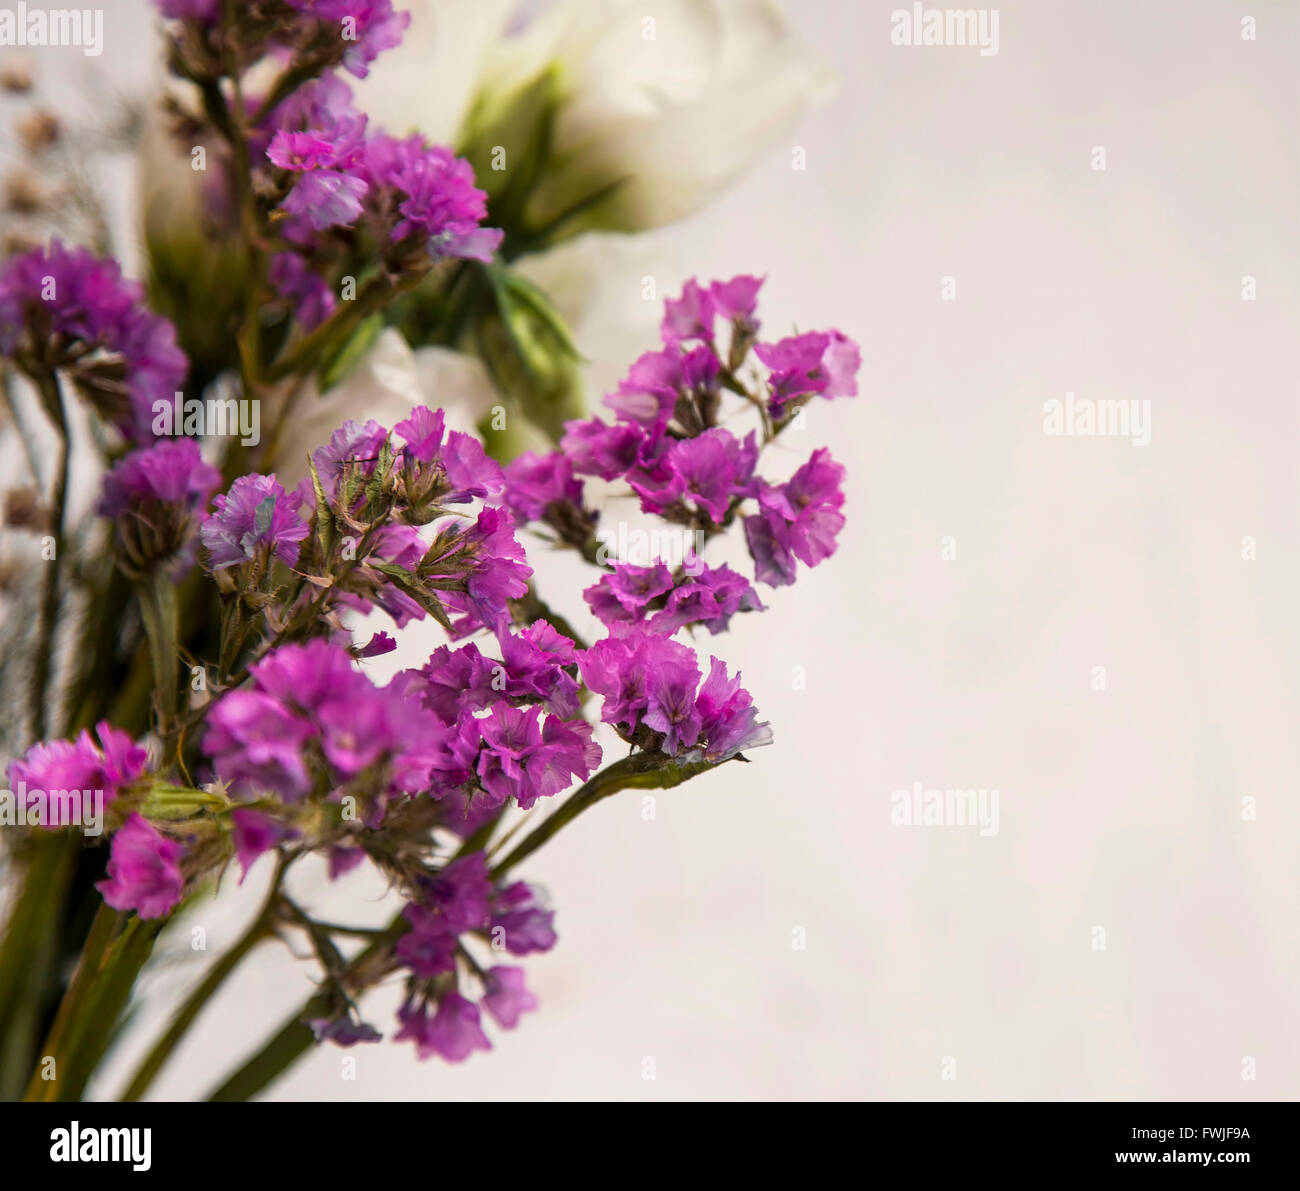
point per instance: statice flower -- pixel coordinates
(255, 516)
(449, 910)
(649, 683)
(373, 26)
(153, 495)
(144, 872)
(67, 308)
(799, 519)
(312, 721)
(820, 363)
(57, 774)
(653, 596)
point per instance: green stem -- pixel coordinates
(48, 615)
(158, 611)
(258, 930)
(70, 1020)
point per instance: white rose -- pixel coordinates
(673, 99)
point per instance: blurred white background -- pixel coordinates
(1120, 809)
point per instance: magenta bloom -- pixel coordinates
(143, 870)
(297, 282)
(798, 519)
(817, 362)
(737, 299)
(454, 1032)
(690, 316)
(535, 484)
(596, 449)
(525, 760)
(435, 196)
(256, 514)
(71, 297)
(66, 771)
(507, 997)
(171, 472)
(254, 833)
(647, 395)
(525, 924)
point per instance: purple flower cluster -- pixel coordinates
(314, 723)
(362, 29)
(665, 602)
(69, 309)
(144, 871)
(153, 495)
(649, 684)
(417, 199)
(256, 517)
(65, 771)
(512, 750)
(475, 567)
(798, 519)
(462, 900)
(667, 444)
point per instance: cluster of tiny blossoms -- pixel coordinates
(301, 751)
(335, 189)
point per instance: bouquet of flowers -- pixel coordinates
(194, 662)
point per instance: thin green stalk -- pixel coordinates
(48, 615)
(258, 931)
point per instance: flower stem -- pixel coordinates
(48, 615)
(258, 930)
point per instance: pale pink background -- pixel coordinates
(1119, 809)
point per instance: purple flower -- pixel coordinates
(690, 316)
(436, 198)
(353, 444)
(71, 298)
(371, 27)
(523, 759)
(343, 1031)
(798, 519)
(817, 362)
(649, 682)
(728, 718)
(454, 1032)
(311, 299)
(170, 472)
(257, 744)
(378, 645)
(596, 449)
(422, 431)
(326, 198)
(521, 921)
(255, 514)
(535, 483)
(66, 771)
(506, 996)
(737, 299)
(711, 597)
(143, 870)
(647, 395)
(456, 900)
(254, 833)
